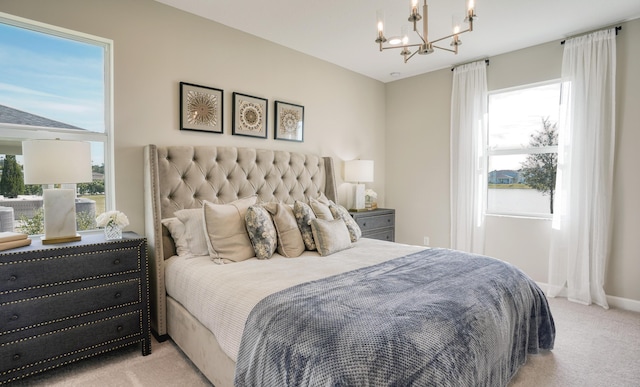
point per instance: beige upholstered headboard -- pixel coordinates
(178, 177)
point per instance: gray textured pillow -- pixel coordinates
(290, 243)
(193, 220)
(331, 236)
(262, 231)
(340, 212)
(304, 214)
(321, 210)
(226, 231)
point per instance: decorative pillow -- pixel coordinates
(290, 243)
(177, 230)
(331, 236)
(304, 214)
(340, 212)
(193, 220)
(262, 232)
(321, 210)
(226, 231)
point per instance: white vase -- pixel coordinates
(112, 232)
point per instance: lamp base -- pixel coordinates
(52, 241)
(59, 216)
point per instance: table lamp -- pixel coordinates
(57, 162)
(358, 171)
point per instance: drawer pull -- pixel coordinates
(16, 356)
(364, 224)
(119, 328)
(14, 317)
(13, 278)
(117, 295)
(116, 261)
(388, 220)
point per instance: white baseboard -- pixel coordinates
(613, 301)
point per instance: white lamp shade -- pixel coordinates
(358, 171)
(56, 162)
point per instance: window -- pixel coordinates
(522, 150)
(54, 83)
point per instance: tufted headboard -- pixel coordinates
(178, 177)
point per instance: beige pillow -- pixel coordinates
(331, 236)
(321, 210)
(290, 243)
(177, 230)
(226, 231)
(193, 220)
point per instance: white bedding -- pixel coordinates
(222, 296)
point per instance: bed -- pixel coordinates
(357, 316)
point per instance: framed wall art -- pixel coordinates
(249, 116)
(201, 108)
(289, 121)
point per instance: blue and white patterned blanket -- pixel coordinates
(434, 318)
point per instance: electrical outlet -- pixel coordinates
(426, 241)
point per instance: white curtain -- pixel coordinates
(468, 169)
(580, 239)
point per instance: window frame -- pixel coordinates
(26, 132)
(510, 151)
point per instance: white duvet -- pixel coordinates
(222, 296)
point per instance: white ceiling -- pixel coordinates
(343, 31)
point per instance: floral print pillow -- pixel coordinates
(304, 214)
(340, 212)
(262, 232)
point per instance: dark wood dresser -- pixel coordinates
(65, 302)
(377, 224)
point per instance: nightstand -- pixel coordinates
(65, 302)
(377, 224)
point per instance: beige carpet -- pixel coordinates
(594, 347)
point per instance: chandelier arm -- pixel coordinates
(450, 36)
(410, 56)
(445, 49)
(393, 47)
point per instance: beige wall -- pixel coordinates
(156, 47)
(418, 168)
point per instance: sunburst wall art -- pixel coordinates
(200, 108)
(289, 122)
(249, 116)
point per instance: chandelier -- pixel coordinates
(427, 46)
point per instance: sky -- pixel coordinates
(53, 77)
(514, 115)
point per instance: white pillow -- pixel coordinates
(177, 230)
(226, 230)
(193, 220)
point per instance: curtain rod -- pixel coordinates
(618, 28)
(485, 61)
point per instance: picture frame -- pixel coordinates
(201, 108)
(249, 115)
(289, 121)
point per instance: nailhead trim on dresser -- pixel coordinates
(79, 299)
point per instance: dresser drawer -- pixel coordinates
(53, 268)
(375, 221)
(386, 234)
(57, 346)
(55, 307)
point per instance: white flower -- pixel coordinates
(371, 193)
(116, 218)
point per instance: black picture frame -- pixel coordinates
(201, 108)
(289, 121)
(250, 116)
